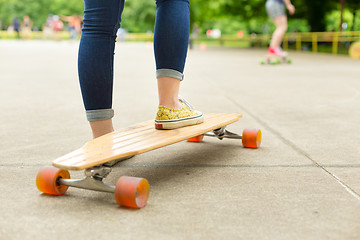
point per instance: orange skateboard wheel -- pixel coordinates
(251, 138)
(47, 180)
(196, 139)
(132, 192)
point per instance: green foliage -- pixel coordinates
(298, 25)
(37, 10)
(315, 12)
(139, 16)
(227, 15)
(203, 11)
(333, 20)
(246, 9)
(229, 25)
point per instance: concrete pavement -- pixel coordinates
(303, 183)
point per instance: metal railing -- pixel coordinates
(300, 41)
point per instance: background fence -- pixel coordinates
(328, 42)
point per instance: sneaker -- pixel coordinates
(167, 118)
(277, 52)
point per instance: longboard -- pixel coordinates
(274, 60)
(95, 155)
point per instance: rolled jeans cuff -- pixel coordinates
(169, 73)
(98, 115)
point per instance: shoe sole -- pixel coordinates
(173, 124)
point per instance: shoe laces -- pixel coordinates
(183, 100)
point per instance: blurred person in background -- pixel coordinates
(47, 28)
(16, 26)
(74, 25)
(57, 26)
(96, 58)
(276, 11)
(26, 27)
(194, 35)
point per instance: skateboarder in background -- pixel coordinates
(276, 11)
(16, 25)
(95, 62)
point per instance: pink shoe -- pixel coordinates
(277, 52)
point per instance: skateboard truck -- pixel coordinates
(129, 191)
(93, 177)
(92, 181)
(222, 133)
(251, 138)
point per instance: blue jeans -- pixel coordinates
(96, 51)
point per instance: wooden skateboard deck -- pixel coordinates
(143, 137)
(137, 139)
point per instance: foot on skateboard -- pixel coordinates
(167, 118)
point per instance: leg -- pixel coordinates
(95, 61)
(281, 27)
(101, 127)
(168, 90)
(171, 40)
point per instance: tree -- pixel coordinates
(228, 15)
(353, 6)
(37, 10)
(139, 15)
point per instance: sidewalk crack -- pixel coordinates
(296, 148)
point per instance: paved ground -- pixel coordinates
(303, 183)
